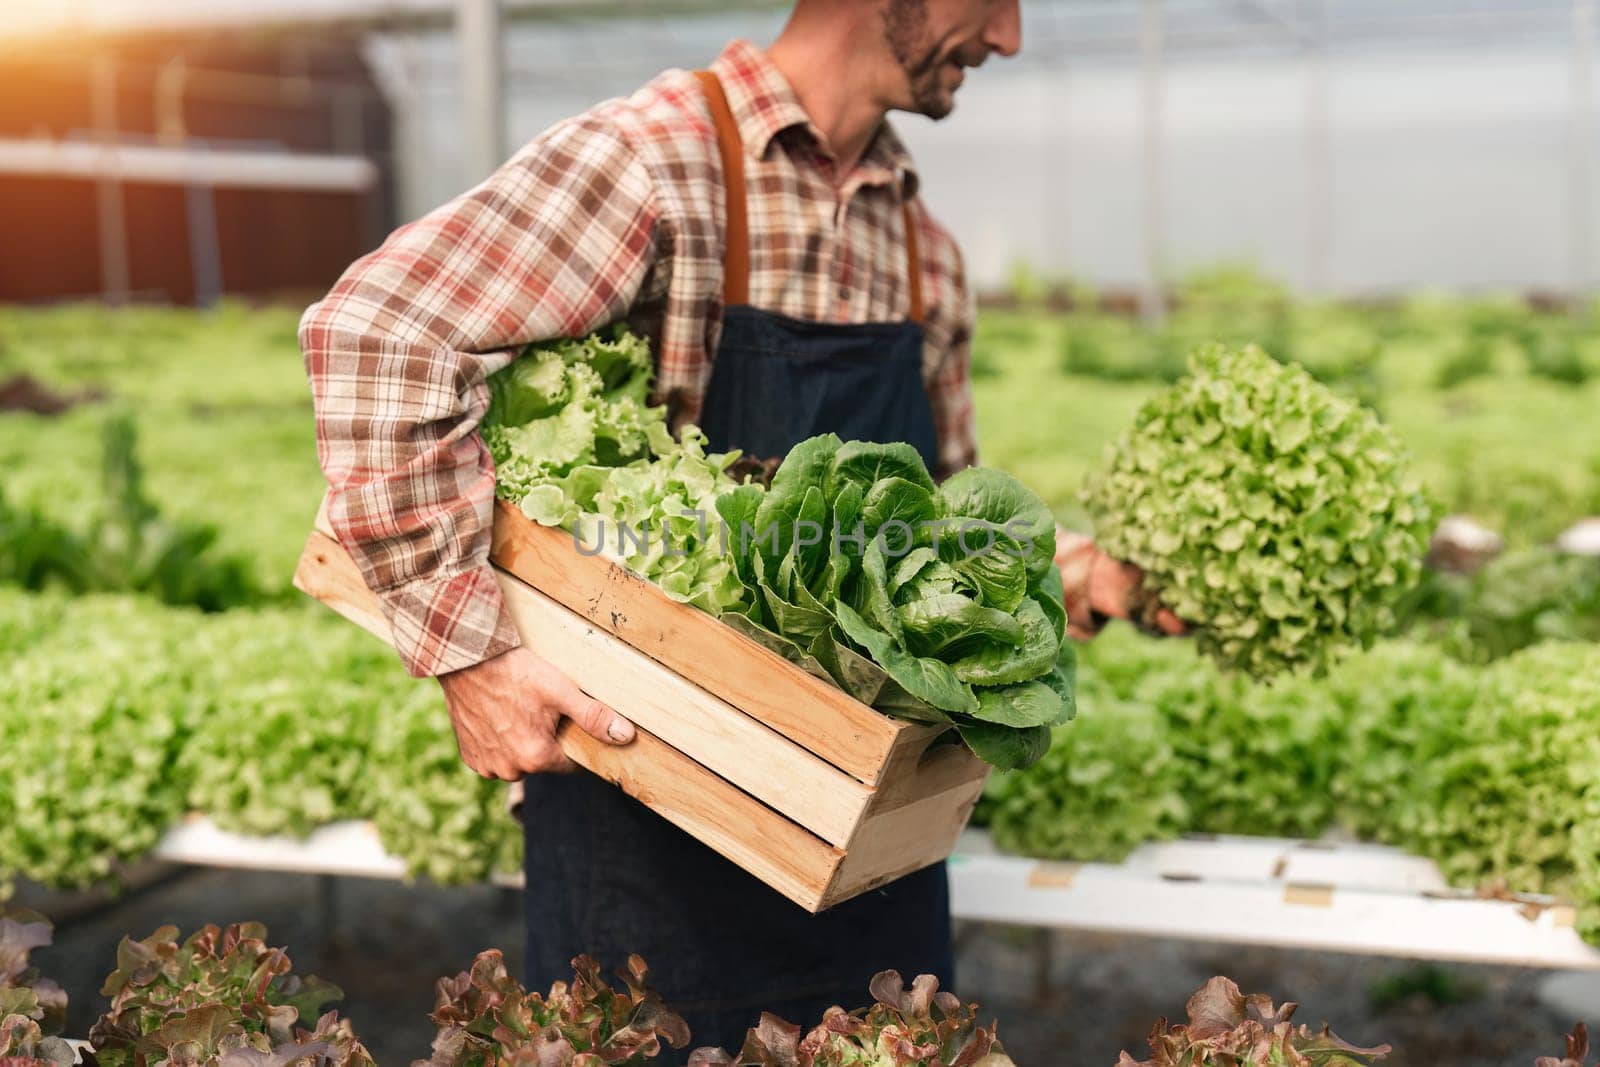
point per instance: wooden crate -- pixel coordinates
(811, 791)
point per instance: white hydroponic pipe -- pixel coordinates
(46, 158)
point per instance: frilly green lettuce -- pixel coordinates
(1276, 517)
(576, 445)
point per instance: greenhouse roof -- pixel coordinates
(138, 16)
(1056, 28)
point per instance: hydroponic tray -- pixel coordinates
(348, 849)
(1335, 896)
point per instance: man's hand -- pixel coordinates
(506, 710)
(1097, 587)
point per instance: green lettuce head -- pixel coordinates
(577, 445)
(939, 604)
(1276, 517)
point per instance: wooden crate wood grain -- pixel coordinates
(814, 793)
(805, 709)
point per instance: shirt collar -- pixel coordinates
(764, 105)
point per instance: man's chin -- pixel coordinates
(937, 106)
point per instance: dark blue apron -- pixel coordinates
(609, 877)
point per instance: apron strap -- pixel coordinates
(736, 257)
(913, 262)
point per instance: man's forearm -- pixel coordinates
(411, 487)
(400, 352)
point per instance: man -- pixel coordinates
(759, 223)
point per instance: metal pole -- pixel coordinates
(348, 119)
(1581, 174)
(111, 213)
(410, 149)
(1152, 45)
(205, 242)
(169, 88)
(1056, 201)
(1319, 152)
(482, 58)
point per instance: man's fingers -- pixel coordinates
(562, 764)
(500, 771)
(544, 756)
(1170, 624)
(597, 720)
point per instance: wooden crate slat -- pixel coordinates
(781, 853)
(807, 710)
(327, 573)
(760, 761)
(909, 835)
(919, 768)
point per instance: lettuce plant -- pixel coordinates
(940, 604)
(1402, 706)
(1248, 759)
(1577, 1051)
(1109, 783)
(562, 405)
(429, 808)
(1255, 759)
(1509, 802)
(486, 1018)
(31, 1007)
(23, 1043)
(576, 445)
(22, 991)
(1275, 516)
(1229, 1029)
(221, 996)
(916, 1027)
(109, 686)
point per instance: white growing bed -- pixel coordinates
(1336, 896)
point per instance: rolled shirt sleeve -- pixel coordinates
(556, 243)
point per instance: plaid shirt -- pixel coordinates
(616, 214)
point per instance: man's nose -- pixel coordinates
(1004, 32)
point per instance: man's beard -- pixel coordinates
(905, 26)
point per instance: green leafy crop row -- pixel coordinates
(222, 997)
(1492, 771)
(106, 696)
(120, 715)
(1493, 396)
(222, 408)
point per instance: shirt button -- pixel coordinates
(844, 292)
